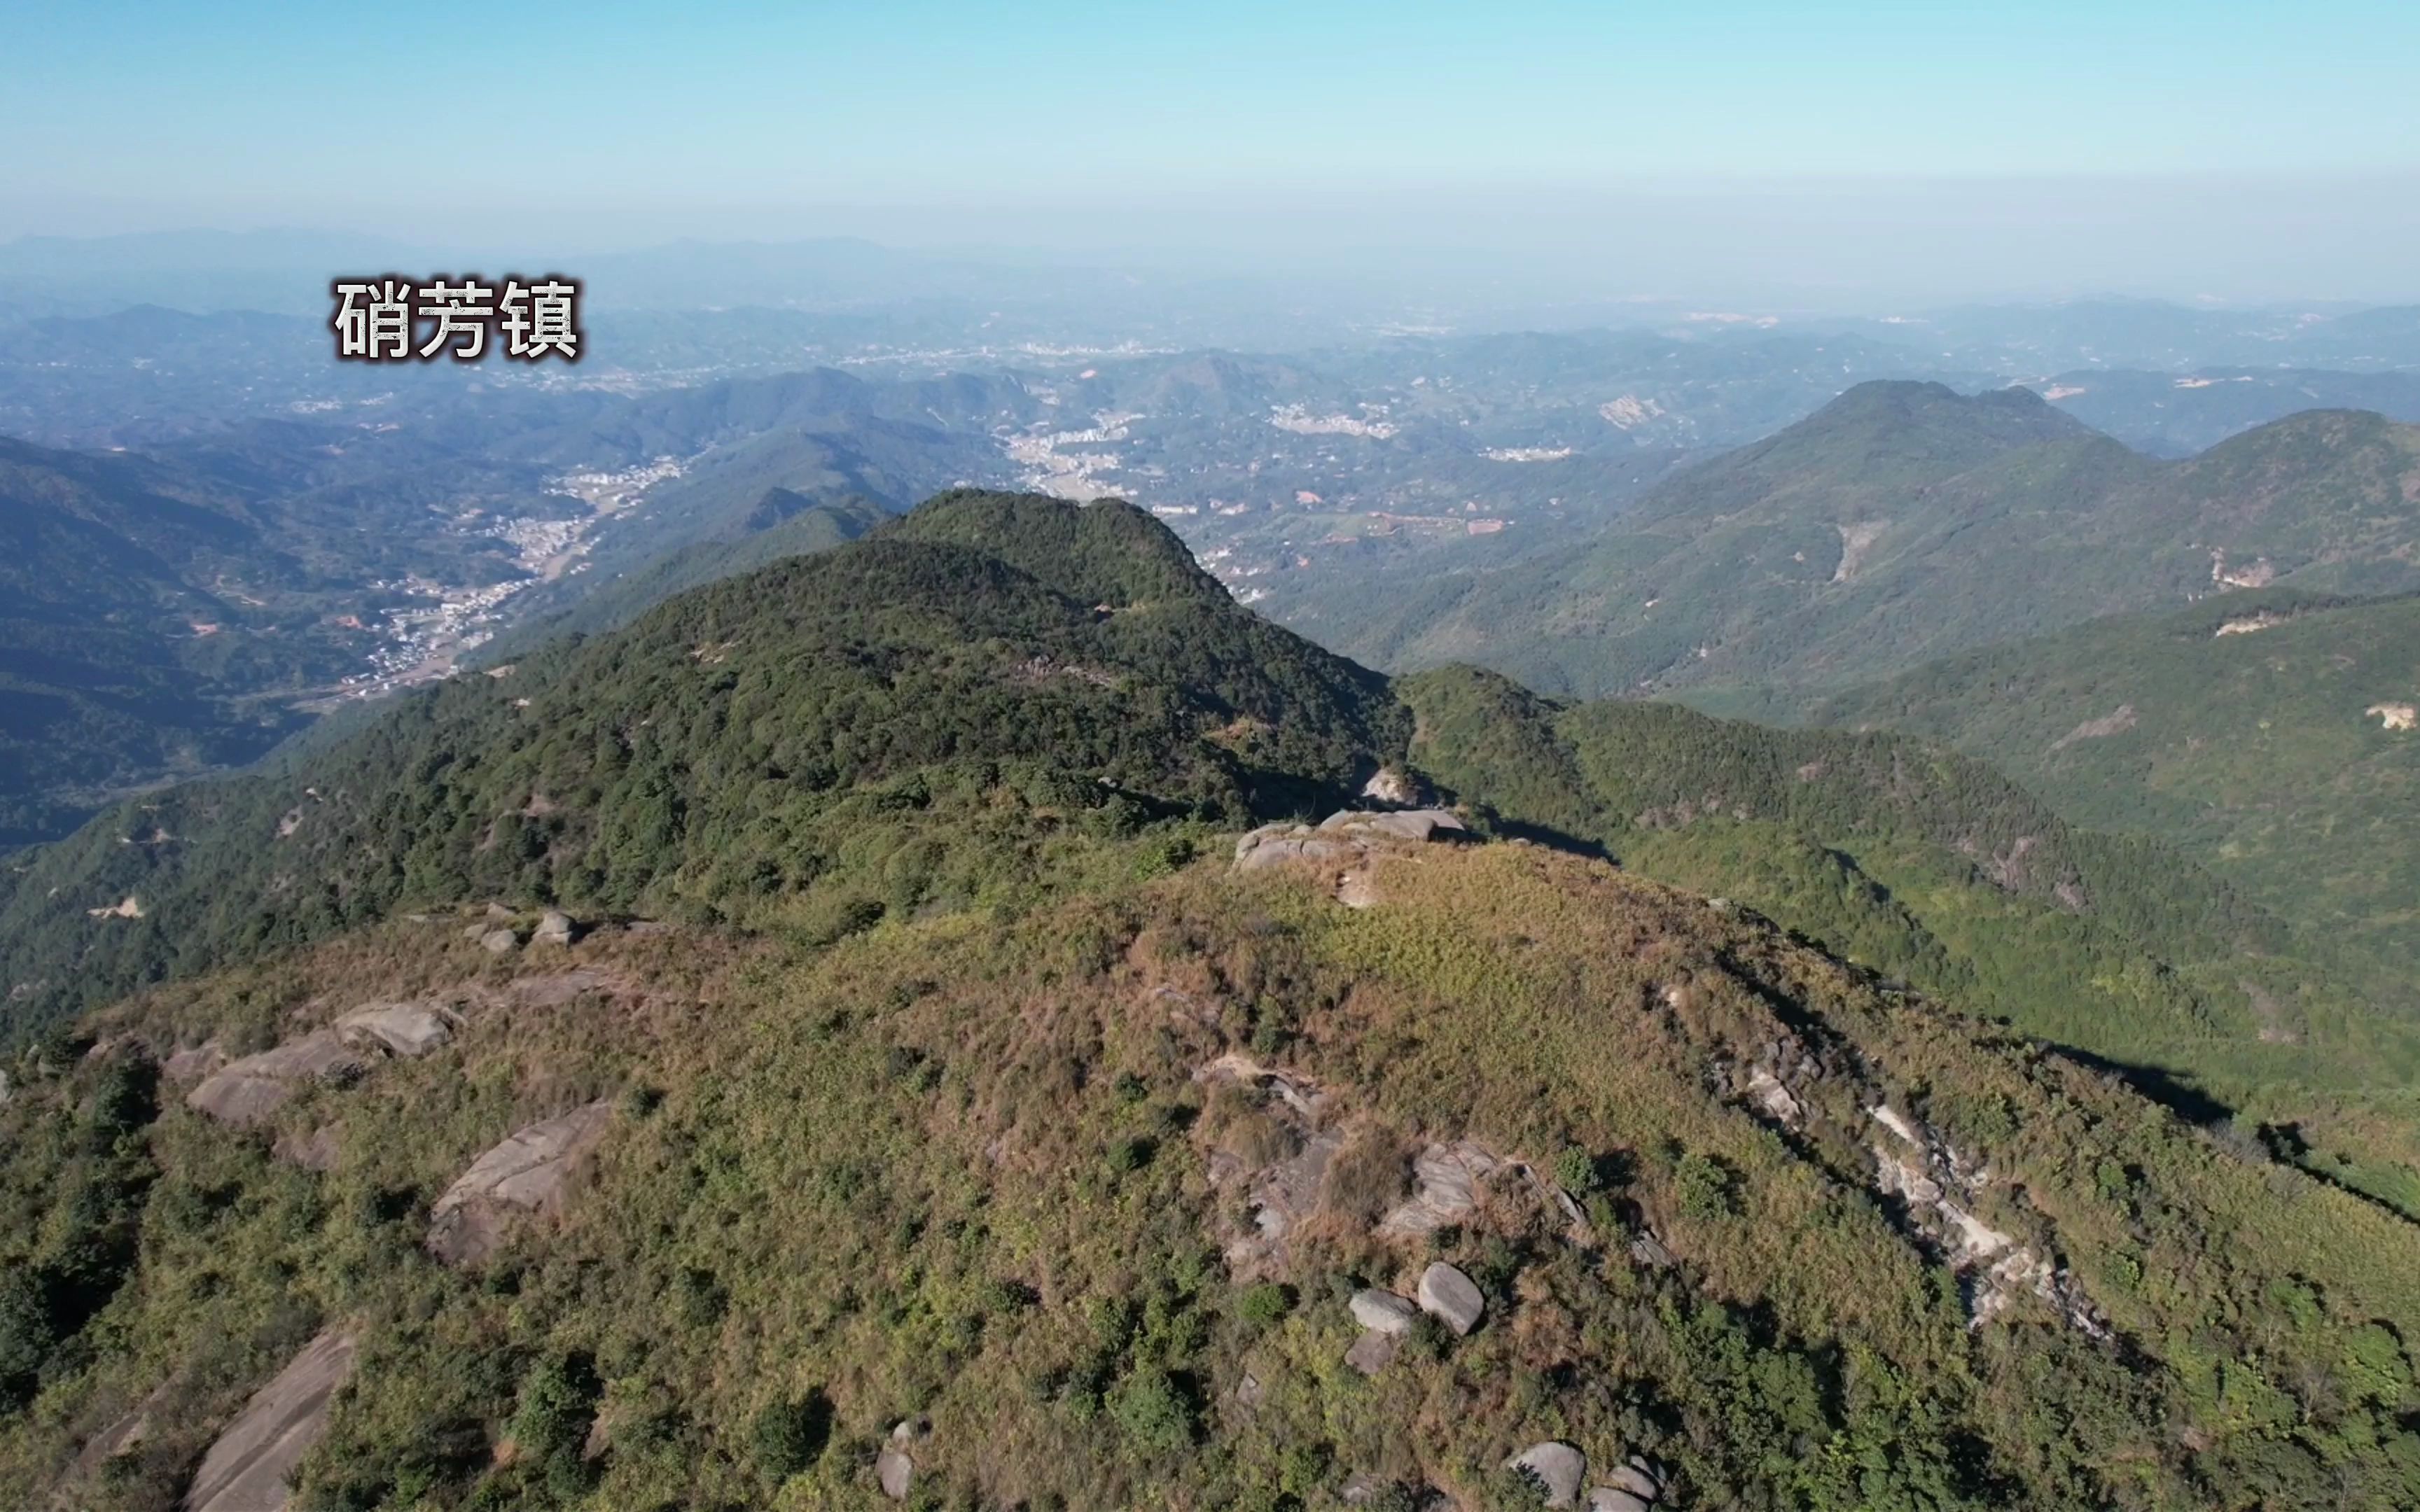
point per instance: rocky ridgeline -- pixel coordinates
(1939, 1185)
(1791, 1084)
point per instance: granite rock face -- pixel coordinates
(1350, 839)
(1445, 1189)
(247, 1092)
(526, 1174)
(406, 1030)
(245, 1469)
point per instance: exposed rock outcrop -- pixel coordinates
(247, 1092)
(245, 1469)
(1285, 1191)
(1446, 1185)
(1632, 1488)
(527, 1174)
(1940, 1184)
(407, 1029)
(1394, 787)
(1350, 841)
(194, 1062)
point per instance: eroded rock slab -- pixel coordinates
(246, 1092)
(1445, 1189)
(525, 1175)
(245, 1469)
(407, 1029)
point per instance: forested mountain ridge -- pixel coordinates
(2268, 733)
(1905, 521)
(716, 748)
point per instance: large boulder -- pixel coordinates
(1451, 1297)
(1393, 787)
(526, 1174)
(407, 1029)
(1382, 1312)
(245, 1469)
(499, 942)
(1275, 844)
(1415, 825)
(893, 1468)
(1557, 1466)
(553, 928)
(247, 1092)
(1632, 1488)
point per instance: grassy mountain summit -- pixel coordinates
(1095, 1207)
(1905, 521)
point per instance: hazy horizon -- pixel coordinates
(1739, 152)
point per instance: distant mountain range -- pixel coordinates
(1902, 522)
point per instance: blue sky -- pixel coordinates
(619, 123)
